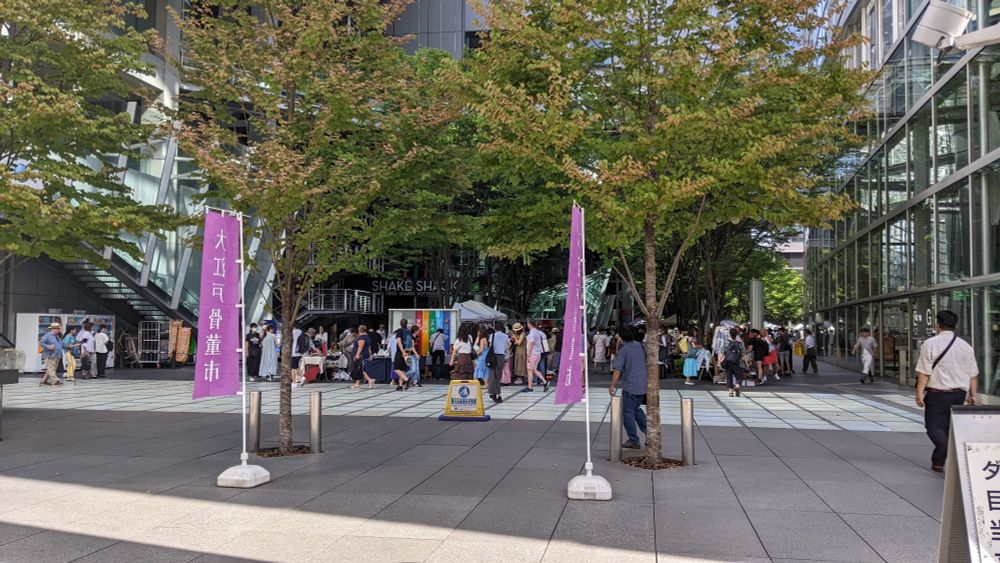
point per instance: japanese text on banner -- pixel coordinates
(217, 365)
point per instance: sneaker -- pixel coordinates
(545, 388)
(57, 383)
(527, 390)
(630, 445)
(688, 382)
(937, 468)
(417, 384)
(777, 377)
(863, 381)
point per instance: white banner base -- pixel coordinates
(589, 487)
(243, 477)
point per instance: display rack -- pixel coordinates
(153, 336)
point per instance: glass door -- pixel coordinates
(893, 338)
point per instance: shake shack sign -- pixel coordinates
(416, 287)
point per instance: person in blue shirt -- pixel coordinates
(629, 366)
(52, 352)
(71, 351)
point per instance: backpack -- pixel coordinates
(302, 344)
(732, 356)
(491, 360)
(109, 346)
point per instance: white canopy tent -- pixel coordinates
(476, 312)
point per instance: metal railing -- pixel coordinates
(346, 300)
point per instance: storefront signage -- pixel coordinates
(417, 287)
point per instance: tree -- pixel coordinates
(665, 120)
(297, 114)
(64, 137)
(784, 289)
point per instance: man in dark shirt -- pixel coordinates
(629, 365)
(252, 350)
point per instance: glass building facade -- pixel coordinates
(925, 234)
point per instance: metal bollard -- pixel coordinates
(253, 439)
(316, 422)
(616, 428)
(687, 431)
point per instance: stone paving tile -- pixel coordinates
(809, 535)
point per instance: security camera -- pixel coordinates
(941, 25)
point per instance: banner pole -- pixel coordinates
(589, 466)
(243, 475)
(589, 486)
(242, 349)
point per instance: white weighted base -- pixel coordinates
(243, 476)
(589, 487)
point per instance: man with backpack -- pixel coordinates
(732, 362)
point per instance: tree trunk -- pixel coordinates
(654, 444)
(285, 441)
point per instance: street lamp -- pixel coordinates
(943, 25)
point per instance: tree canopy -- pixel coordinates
(65, 134)
(665, 120)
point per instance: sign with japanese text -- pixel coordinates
(983, 463)
(569, 386)
(217, 364)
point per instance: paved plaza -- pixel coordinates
(772, 406)
(124, 470)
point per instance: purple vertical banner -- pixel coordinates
(569, 387)
(217, 364)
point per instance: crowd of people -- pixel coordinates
(498, 355)
(82, 348)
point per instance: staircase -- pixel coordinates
(118, 290)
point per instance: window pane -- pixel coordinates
(985, 70)
(896, 169)
(922, 240)
(953, 233)
(864, 270)
(952, 131)
(919, 77)
(921, 149)
(897, 254)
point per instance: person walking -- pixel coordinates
(438, 352)
(733, 363)
(866, 345)
(71, 351)
(363, 352)
(101, 348)
(629, 366)
(518, 354)
(268, 355)
(555, 344)
(86, 339)
(536, 346)
(251, 345)
(498, 347)
(601, 343)
(52, 352)
(810, 357)
(946, 376)
(759, 347)
(784, 342)
(413, 363)
(400, 367)
(461, 355)
(483, 351)
(690, 370)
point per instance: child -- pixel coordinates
(413, 361)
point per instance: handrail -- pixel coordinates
(347, 300)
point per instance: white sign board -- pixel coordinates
(970, 511)
(983, 465)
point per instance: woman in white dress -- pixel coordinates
(269, 355)
(601, 342)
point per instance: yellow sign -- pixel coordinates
(464, 401)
